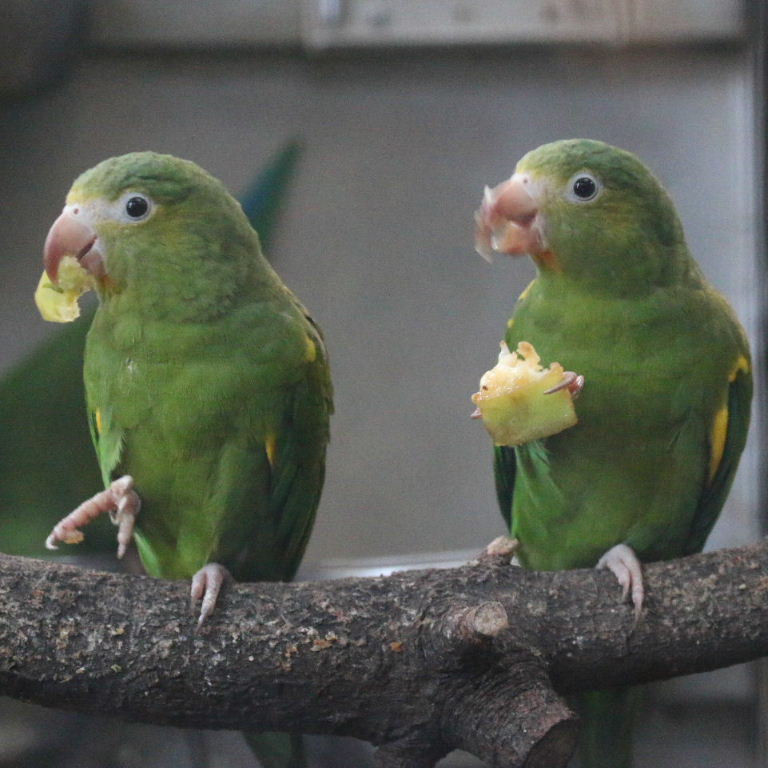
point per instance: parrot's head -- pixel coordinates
(589, 211)
(155, 225)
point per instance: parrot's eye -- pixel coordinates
(583, 187)
(137, 207)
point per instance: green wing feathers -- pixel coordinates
(729, 435)
(298, 470)
(504, 466)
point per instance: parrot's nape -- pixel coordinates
(662, 420)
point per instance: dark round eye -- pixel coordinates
(137, 207)
(584, 187)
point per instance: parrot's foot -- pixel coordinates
(502, 546)
(622, 561)
(206, 585)
(120, 500)
(573, 382)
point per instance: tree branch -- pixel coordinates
(420, 662)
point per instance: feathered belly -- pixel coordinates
(616, 477)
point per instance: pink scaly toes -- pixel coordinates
(502, 546)
(622, 561)
(206, 585)
(124, 517)
(122, 503)
(573, 382)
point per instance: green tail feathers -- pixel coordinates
(277, 750)
(607, 717)
(263, 200)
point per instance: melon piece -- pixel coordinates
(514, 400)
(58, 303)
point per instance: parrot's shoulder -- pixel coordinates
(670, 318)
(277, 331)
(722, 315)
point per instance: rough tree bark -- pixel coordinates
(420, 662)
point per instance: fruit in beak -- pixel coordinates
(72, 235)
(508, 219)
(73, 262)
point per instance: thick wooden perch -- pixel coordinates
(420, 662)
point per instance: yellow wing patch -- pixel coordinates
(720, 424)
(271, 448)
(742, 366)
(524, 295)
(311, 349)
(717, 441)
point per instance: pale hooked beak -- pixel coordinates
(72, 235)
(507, 219)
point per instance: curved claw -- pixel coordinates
(622, 561)
(502, 546)
(122, 503)
(206, 586)
(573, 382)
(124, 517)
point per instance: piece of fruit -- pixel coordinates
(58, 303)
(515, 401)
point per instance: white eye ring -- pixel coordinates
(135, 207)
(583, 187)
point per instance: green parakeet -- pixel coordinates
(207, 383)
(664, 411)
(46, 452)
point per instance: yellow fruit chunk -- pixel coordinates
(58, 303)
(512, 400)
